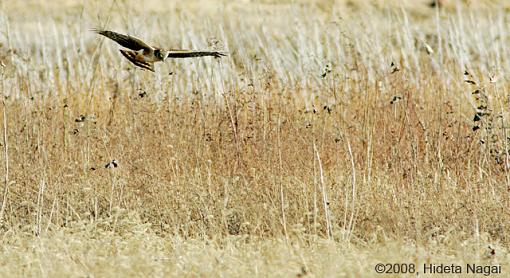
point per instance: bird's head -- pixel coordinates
(161, 54)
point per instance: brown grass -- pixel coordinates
(305, 150)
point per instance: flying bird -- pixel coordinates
(144, 55)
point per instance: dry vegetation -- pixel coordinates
(334, 136)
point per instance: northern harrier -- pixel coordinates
(144, 55)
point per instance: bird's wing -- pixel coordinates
(132, 57)
(124, 40)
(191, 53)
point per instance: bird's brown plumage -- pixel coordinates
(127, 41)
(133, 57)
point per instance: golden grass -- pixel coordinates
(86, 249)
(329, 140)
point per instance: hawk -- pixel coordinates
(144, 55)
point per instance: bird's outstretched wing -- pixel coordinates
(191, 53)
(124, 40)
(132, 57)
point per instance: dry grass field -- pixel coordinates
(336, 135)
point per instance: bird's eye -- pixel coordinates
(157, 53)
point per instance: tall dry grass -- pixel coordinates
(359, 124)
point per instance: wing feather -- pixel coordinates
(191, 53)
(127, 41)
(131, 56)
